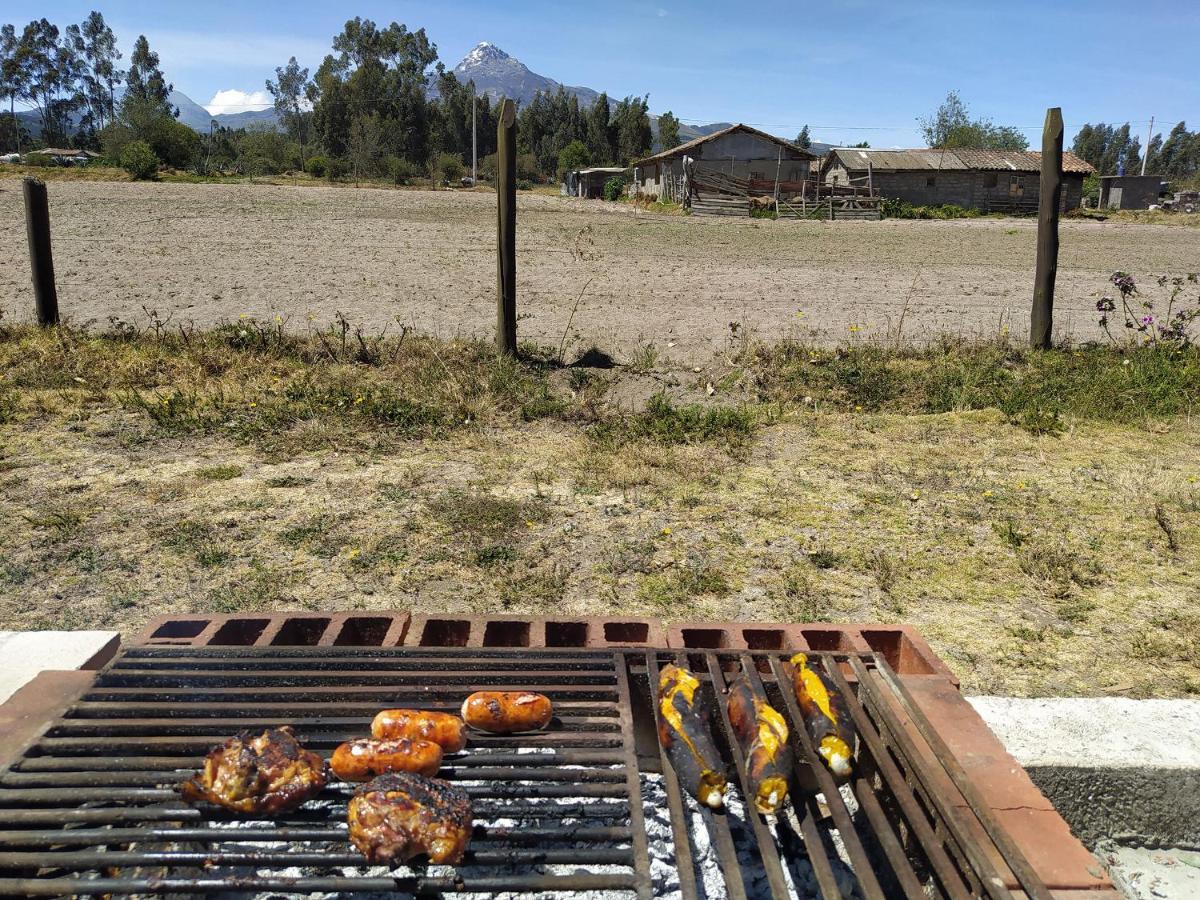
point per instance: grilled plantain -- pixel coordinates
(684, 733)
(762, 734)
(825, 716)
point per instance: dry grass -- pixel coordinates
(1037, 561)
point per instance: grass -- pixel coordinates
(1035, 515)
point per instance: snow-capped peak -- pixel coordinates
(483, 52)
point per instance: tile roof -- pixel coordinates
(961, 159)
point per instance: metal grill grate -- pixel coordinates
(92, 807)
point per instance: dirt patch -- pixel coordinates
(642, 286)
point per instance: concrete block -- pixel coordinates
(1114, 767)
(23, 654)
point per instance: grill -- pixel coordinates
(590, 807)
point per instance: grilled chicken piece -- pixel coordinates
(399, 816)
(762, 734)
(825, 716)
(269, 773)
(684, 733)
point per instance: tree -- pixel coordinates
(50, 68)
(601, 141)
(632, 124)
(288, 90)
(98, 46)
(951, 126)
(573, 156)
(803, 141)
(364, 145)
(139, 160)
(145, 82)
(668, 131)
(12, 83)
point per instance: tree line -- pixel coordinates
(1113, 148)
(380, 103)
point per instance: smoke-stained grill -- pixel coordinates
(92, 807)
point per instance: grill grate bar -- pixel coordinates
(1013, 857)
(949, 878)
(72, 860)
(54, 887)
(110, 836)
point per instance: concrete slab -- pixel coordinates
(1143, 874)
(1113, 767)
(23, 654)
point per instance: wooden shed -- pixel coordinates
(987, 180)
(738, 153)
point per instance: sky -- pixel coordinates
(852, 70)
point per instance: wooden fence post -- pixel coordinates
(37, 230)
(1041, 319)
(506, 230)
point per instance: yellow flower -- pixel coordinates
(915, 495)
(858, 409)
(354, 553)
(987, 494)
(528, 523)
(253, 404)
(1021, 485)
(358, 399)
(854, 328)
(666, 531)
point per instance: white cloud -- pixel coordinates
(662, 13)
(235, 101)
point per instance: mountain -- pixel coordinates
(191, 114)
(497, 74)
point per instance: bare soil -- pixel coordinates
(645, 283)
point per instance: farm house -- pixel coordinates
(987, 180)
(739, 154)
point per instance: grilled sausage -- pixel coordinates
(507, 712)
(447, 731)
(825, 716)
(684, 733)
(362, 760)
(762, 734)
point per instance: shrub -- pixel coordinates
(524, 184)
(139, 160)
(317, 166)
(891, 208)
(38, 160)
(337, 168)
(400, 170)
(450, 167)
(614, 188)
(573, 156)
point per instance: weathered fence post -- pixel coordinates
(37, 230)
(506, 230)
(1041, 320)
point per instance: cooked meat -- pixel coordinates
(684, 733)
(507, 712)
(363, 759)
(825, 716)
(399, 816)
(445, 730)
(762, 734)
(269, 773)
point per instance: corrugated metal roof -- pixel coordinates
(703, 139)
(607, 170)
(855, 158)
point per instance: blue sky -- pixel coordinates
(851, 70)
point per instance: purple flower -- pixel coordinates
(1147, 320)
(1124, 283)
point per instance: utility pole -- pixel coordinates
(474, 143)
(1149, 138)
(506, 229)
